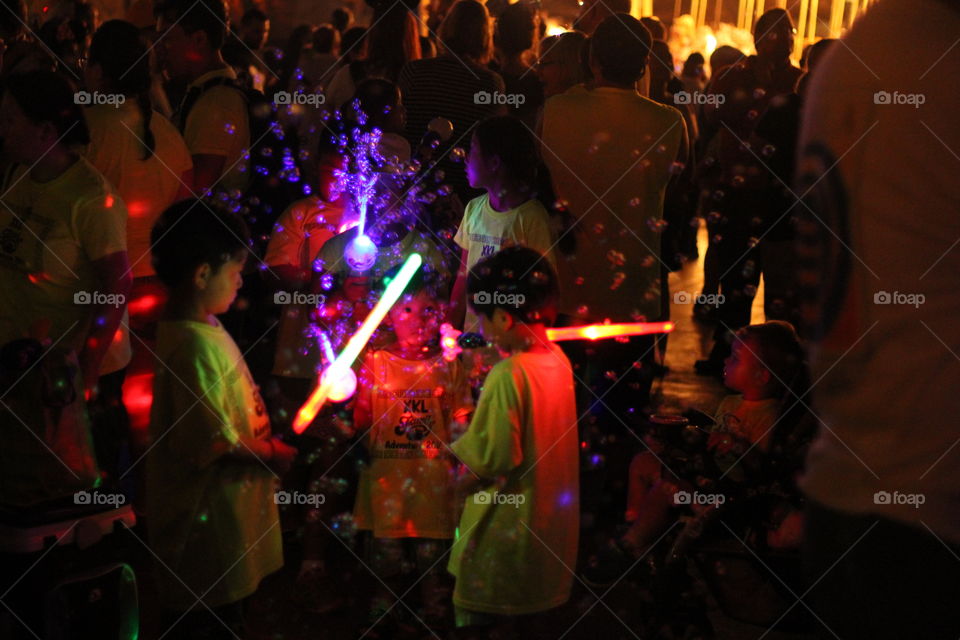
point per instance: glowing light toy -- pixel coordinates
(335, 379)
(361, 252)
(601, 331)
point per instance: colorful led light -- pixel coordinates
(600, 331)
(334, 375)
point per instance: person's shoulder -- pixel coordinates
(476, 205)
(100, 116)
(87, 183)
(730, 402)
(189, 343)
(532, 209)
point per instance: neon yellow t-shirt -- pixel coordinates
(213, 521)
(485, 231)
(147, 186)
(50, 235)
(219, 125)
(517, 539)
(407, 492)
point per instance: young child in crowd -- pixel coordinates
(502, 161)
(762, 418)
(213, 464)
(517, 538)
(411, 403)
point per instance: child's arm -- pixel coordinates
(493, 445)
(363, 407)
(274, 452)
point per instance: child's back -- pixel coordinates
(518, 538)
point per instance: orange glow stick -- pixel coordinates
(600, 331)
(358, 341)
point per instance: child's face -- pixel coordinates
(219, 289)
(496, 329)
(479, 169)
(416, 320)
(743, 371)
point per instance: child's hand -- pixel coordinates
(283, 455)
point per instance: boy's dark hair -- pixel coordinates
(510, 140)
(352, 40)
(431, 282)
(209, 16)
(191, 233)
(377, 98)
(120, 51)
(621, 46)
(518, 280)
(341, 18)
(325, 38)
(46, 96)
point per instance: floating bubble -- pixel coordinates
(768, 150)
(326, 281)
(578, 281)
(676, 168)
(647, 261)
(634, 202)
(752, 242)
(738, 181)
(458, 154)
(618, 279)
(718, 194)
(752, 114)
(583, 310)
(714, 216)
(716, 239)
(758, 93)
(598, 228)
(592, 149)
(661, 148)
(561, 205)
(445, 190)
(616, 257)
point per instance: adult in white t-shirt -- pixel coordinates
(878, 149)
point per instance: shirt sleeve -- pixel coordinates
(201, 430)
(101, 225)
(286, 241)
(463, 231)
(214, 123)
(492, 446)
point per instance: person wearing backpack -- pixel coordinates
(213, 115)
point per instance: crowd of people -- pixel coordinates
(180, 200)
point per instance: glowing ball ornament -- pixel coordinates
(342, 382)
(361, 253)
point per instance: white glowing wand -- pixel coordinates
(338, 375)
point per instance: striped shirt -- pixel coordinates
(450, 88)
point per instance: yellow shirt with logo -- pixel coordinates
(219, 124)
(407, 491)
(213, 520)
(485, 231)
(50, 235)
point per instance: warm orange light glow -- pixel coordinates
(108, 202)
(600, 331)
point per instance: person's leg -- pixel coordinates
(436, 585)
(779, 299)
(874, 579)
(109, 424)
(225, 622)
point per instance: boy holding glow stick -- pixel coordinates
(518, 533)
